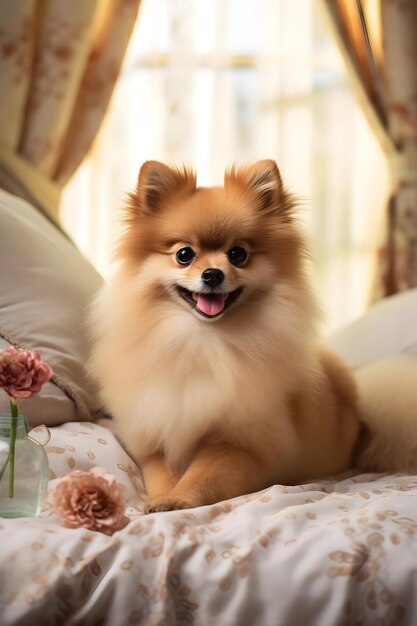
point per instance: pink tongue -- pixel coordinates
(210, 304)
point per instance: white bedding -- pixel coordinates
(332, 552)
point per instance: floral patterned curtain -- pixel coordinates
(59, 61)
(379, 41)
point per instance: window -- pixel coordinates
(211, 83)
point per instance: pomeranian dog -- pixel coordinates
(206, 345)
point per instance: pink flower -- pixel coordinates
(90, 499)
(22, 372)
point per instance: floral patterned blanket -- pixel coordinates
(332, 552)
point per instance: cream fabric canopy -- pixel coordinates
(59, 62)
(379, 42)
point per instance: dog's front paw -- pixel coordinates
(158, 504)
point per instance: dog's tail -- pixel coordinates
(388, 408)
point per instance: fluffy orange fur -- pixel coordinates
(214, 407)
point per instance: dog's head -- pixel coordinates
(211, 250)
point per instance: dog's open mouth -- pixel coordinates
(209, 304)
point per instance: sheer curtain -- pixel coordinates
(210, 83)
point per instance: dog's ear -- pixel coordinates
(264, 180)
(157, 182)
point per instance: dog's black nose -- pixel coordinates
(213, 277)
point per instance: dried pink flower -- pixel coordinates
(22, 372)
(90, 499)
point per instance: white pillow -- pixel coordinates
(45, 287)
(388, 328)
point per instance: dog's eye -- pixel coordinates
(237, 255)
(185, 255)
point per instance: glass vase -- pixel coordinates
(21, 495)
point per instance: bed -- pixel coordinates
(341, 551)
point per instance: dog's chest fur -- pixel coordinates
(170, 408)
(170, 384)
